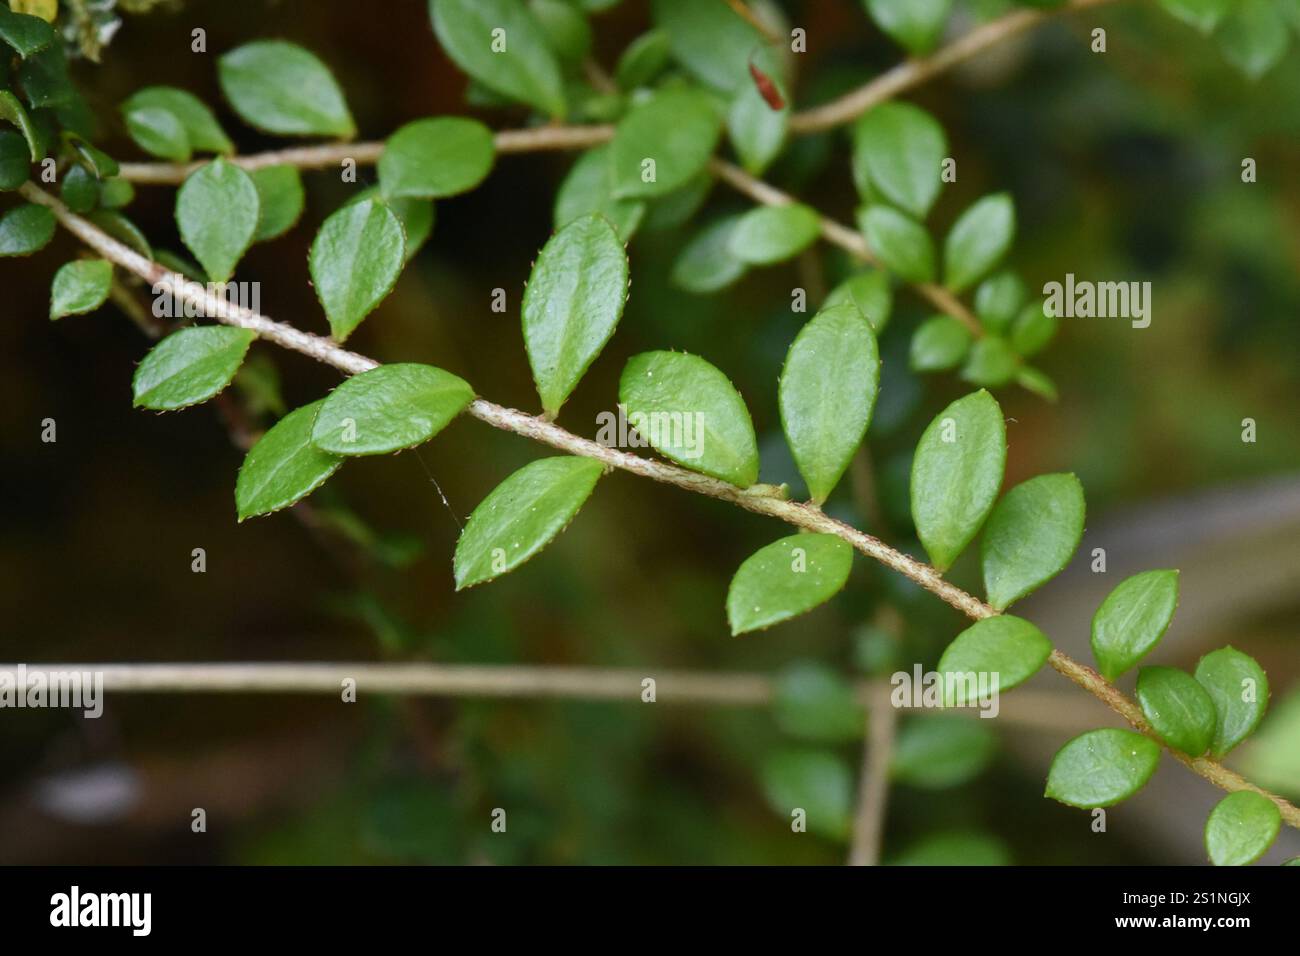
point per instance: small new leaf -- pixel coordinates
(900, 242)
(978, 240)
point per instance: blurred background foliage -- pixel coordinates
(1124, 166)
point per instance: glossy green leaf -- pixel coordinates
(572, 304)
(813, 702)
(44, 79)
(280, 200)
(818, 784)
(663, 142)
(91, 157)
(956, 473)
(900, 242)
(785, 579)
(521, 516)
(415, 215)
(80, 286)
(201, 130)
(1204, 15)
(939, 751)
(1132, 619)
(940, 342)
(709, 40)
(25, 229)
(1253, 36)
(771, 234)
(1031, 536)
(432, 158)
(915, 24)
(998, 299)
(827, 391)
(1101, 768)
(389, 408)
(1000, 652)
(355, 260)
(217, 210)
(15, 160)
(158, 132)
(1241, 828)
(26, 34)
(1239, 689)
(589, 188)
(706, 263)
(189, 366)
(526, 70)
(278, 87)
(284, 466)
(79, 190)
(13, 111)
(870, 292)
(978, 240)
(1178, 707)
(690, 412)
(899, 148)
(643, 60)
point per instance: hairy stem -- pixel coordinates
(800, 515)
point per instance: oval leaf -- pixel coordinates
(25, 33)
(978, 240)
(901, 243)
(280, 200)
(217, 210)
(521, 516)
(813, 702)
(662, 143)
(279, 87)
(827, 391)
(939, 343)
(589, 188)
(688, 411)
(355, 260)
(771, 234)
(820, 784)
(432, 158)
(1102, 767)
(1239, 689)
(916, 24)
(190, 366)
(941, 751)
(1178, 707)
(284, 466)
(706, 263)
(1241, 828)
(870, 292)
(785, 579)
(80, 287)
(26, 229)
(1031, 536)
(900, 149)
(1132, 619)
(389, 408)
(994, 654)
(202, 131)
(158, 132)
(572, 304)
(956, 474)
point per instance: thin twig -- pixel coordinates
(760, 502)
(873, 784)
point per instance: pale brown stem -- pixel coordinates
(873, 783)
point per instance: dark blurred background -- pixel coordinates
(1123, 165)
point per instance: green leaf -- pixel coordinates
(785, 579)
(565, 28)
(44, 78)
(1178, 707)
(91, 157)
(1132, 619)
(978, 240)
(284, 466)
(940, 342)
(990, 363)
(279, 87)
(355, 260)
(771, 234)
(827, 391)
(706, 263)
(472, 31)
(663, 142)
(1254, 36)
(813, 702)
(679, 206)
(1033, 329)
(122, 229)
(758, 131)
(820, 784)
(998, 299)
(589, 188)
(217, 210)
(956, 474)
(899, 148)
(1241, 828)
(389, 408)
(1035, 381)
(13, 111)
(1239, 688)
(1007, 649)
(709, 40)
(280, 200)
(643, 60)
(432, 158)
(521, 516)
(79, 190)
(415, 215)
(688, 411)
(941, 751)
(115, 193)
(189, 366)
(572, 304)
(1031, 536)
(26, 34)
(1204, 15)
(201, 129)
(80, 286)
(915, 24)
(158, 132)
(25, 229)
(960, 848)
(870, 292)
(1102, 767)
(901, 243)
(15, 161)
